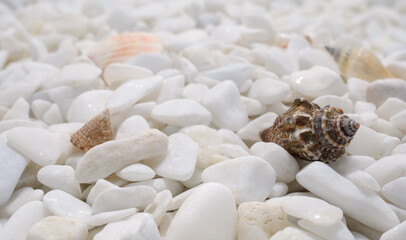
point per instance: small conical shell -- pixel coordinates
(122, 47)
(96, 131)
(359, 63)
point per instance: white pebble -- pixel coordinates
(393, 191)
(87, 105)
(310, 57)
(172, 88)
(161, 184)
(400, 149)
(391, 107)
(77, 74)
(251, 131)
(39, 107)
(131, 127)
(279, 62)
(195, 91)
(336, 231)
(60, 177)
(366, 142)
(252, 106)
(136, 172)
(396, 233)
(63, 204)
(380, 90)
(269, 91)
(362, 107)
(152, 61)
(334, 101)
(237, 72)
(279, 189)
(20, 197)
(388, 168)
(108, 217)
(19, 110)
(100, 186)
(54, 227)
(357, 89)
(116, 73)
(53, 115)
(292, 233)
(159, 206)
(398, 120)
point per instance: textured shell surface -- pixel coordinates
(96, 131)
(312, 133)
(360, 63)
(124, 46)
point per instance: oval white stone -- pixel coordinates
(60, 177)
(63, 204)
(394, 191)
(269, 91)
(396, 233)
(116, 73)
(136, 172)
(131, 127)
(388, 168)
(108, 217)
(54, 227)
(334, 101)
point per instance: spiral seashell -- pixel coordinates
(360, 63)
(312, 133)
(96, 131)
(122, 47)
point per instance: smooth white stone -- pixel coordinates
(336, 231)
(131, 92)
(178, 200)
(215, 206)
(75, 24)
(292, 233)
(180, 160)
(142, 109)
(312, 209)
(195, 92)
(397, 69)
(19, 198)
(64, 96)
(388, 168)
(54, 227)
(19, 110)
(400, 149)
(37, 48)
(181, 112)
(195, 179)
(12, 166)
(260, 220)
(60, 177)
(367, 119)
(61, 57)
(366, 142)
(161, 184)
(391, 107)
(139, 226)
(357, 89)
(131, 127)
(166, 222)
(334, 101)
(296, 44)
(22, 220)
(396, 233)
(87, 105)
(229, 136)
(237, 72)
(380, 90)
(53, 115)
(359, 236)
(108, 217)
(116, 73)
(186, 39)
(100, 186)
(152, 61)
(285, 166)
(387, 128)
(310, 57)
(63, 204)
(269, 91)
(400, 212)
(363, 179)
(249, 178)
(37, 144)
(228, 151)
(363, 229)
(393, 191)
(159, 206)
(347, 164)
(363, 205)
(136, 172)
(224, 103)
(77, 74)
(279, 189)
(175, 24)
(252, 106)
(317, 81)
(109, 157)
(362, 107)
(389, 143)
(250, 36)
(251, 131)
(398, 120)
(279, 62)
(172, 88)
(122, 198)
(226, 33)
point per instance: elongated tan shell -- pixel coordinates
(360, 63)
(96, 131)
(122, 47)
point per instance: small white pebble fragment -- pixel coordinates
(387, 128)
(195, 179)
(251, 131)
(269, 91)
(388, 169)
(19, 110)
(359, 236)
(136, 172)
(63, 204)
(249, 178)
(400, 149)
(224, 103)
(53, 115)
(309, 57)
(37, 144)
(336, 231)
(116, 73)
(279, 62)
(285, 166)
(400, 212)
(363, 205)
(171, 88)
(398, 120)
(227, 151)
(366, 142)
(391, 107)
(54, 227)
(77, 74)
(152, 61)
(279, 189)
(60, 177)
(159, 206)
(195, 92)
(312, 209)
(20, 197)
(394, 192)
(357, 89)
(361, 107)
(252, 106)
(180, 161)
(363, 179)
(132, 91)
(229, 136)
(334, 101)
(181, 112)
(100, 186)
(131, 127)
(22, 220)
(292, 233)
(380, 90)
(122, 198)
(215, 206)
(237, 72)
(396, 233)
(109, 157)
(161, 184)
(108, 217)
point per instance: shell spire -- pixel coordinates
(312, 133)
(96, 131)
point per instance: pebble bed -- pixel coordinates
(187, 161)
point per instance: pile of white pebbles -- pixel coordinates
(187, 161)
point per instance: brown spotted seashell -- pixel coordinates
(122, 47)
(96, 131)
(312, 133)
(359, 63)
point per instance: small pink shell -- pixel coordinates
(122, 47)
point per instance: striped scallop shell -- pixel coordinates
(312, 133)
(122, 47)
(360, 63)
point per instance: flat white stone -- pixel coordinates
(388, 169)
(114, 199)
(251, 131)
(159, 206)
(398, 120)
(292, 233)
(181, 112)
(252, 106)
(116, 73)
(131, 127)
(22, 220)
(172, 88)
(249, 178)
(100, 186)
(37, 144)
(359, 236)
(237, 72)
(228, 151)
(227, 33)
(380, 90)
(20, 197)
(108, 217)
(312, 209)
(109, 157)
(310, 57)
(60, 177)
(229, 136)
(215, 206)
(53, 115)
(393, 191)
(396, 233)
(391, 107)
(357, 89)
(336, 231)
(195, 179)
(269, 91)
(363, 205)
(366, 142)
(400, 212)
(279, 189)
(363, 179)
(224, 103)
(400, 149)
(285, 166)
(78, 74)
(19, 110)
(180, 161)
(131, 92)
(387, 128)
(279, 62)
(136, 172)
(54, 227)
(334, 101)
(161, 184)
(152, 61)
(362, 107)
(63, 204)
(195, 91)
